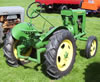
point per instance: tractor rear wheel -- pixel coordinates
(60, 54)
(91, 47)
(10, 51)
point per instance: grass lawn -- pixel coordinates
(84, 70)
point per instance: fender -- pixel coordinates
(49, 33)
(19, 30)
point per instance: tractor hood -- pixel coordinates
(11, 10)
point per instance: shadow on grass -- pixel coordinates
(93, 15)
(1, 45)
(43, 66)
(24, 65)
(92, 73)
(36, 67)
(82, 52)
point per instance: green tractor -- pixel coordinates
(58, 44)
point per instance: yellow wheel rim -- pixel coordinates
(93, 48)
(64, 55)
(15, 52)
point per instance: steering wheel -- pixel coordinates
(34, 10)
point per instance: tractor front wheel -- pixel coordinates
(91, 47)
(60, 54)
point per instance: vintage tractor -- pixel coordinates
(9, 17)
(58, 44)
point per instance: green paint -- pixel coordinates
(66, 55)
(74, 20)
(29, 36)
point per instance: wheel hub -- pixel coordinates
(64, 55)
(93, 48)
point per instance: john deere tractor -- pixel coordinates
(58, 44)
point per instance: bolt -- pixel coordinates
(66, 55)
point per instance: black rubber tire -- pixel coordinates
(88, 46)
(1, 34)
(63, 7)
(8, 51)
(51, 53)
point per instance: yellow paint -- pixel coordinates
(62, 61)
(15, 52)
(93, 48)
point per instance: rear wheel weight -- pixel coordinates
(60, 54)
(91, 47)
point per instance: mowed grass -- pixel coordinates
(84, 70)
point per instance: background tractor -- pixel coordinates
(57, 44)
(9, 17)
(59, 4)
(91, 6)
